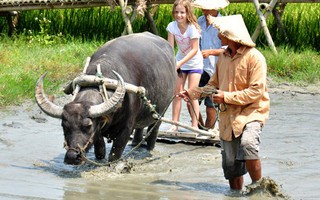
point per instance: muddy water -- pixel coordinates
(31, 160)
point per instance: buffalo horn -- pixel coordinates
(111, 104)
(43, 102)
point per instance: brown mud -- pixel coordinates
(31, 159)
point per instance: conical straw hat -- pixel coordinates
(233, 28)
(210, 4)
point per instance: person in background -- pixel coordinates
(185, 32)
(210, 46)
(241, 86)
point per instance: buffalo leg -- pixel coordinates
(137, 137)
(152, 138)
(119, 144)
(100, 148)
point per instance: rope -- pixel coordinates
(155, 115)
(217, 107)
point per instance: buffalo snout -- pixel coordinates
(73, 158)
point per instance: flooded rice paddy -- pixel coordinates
(32, 153)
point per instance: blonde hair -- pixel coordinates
(191, 18)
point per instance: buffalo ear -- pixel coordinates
(87, 122)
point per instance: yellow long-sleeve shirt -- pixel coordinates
(243, 79)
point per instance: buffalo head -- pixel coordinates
(81, 119)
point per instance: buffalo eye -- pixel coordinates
(87, 122)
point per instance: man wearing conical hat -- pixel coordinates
(239, 86)
(210, 46)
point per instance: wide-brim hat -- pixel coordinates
(210, 4)
(233, 28)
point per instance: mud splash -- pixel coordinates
(265, 187)
(31, 161)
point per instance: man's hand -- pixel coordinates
(219, 97)
(184, 94)
(206, 53)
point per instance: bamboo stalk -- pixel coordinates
(264, 26)
(266, 15)
(128, 26)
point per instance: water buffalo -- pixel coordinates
(142, 59)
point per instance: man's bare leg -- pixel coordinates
(236, 183)
(254, 169)
(211, 117)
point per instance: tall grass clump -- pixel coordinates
(22, 63)
(296, 67)
(58, 41)
(87, 24)
(301, 23)
(162, 18)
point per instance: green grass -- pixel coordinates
(300, 20)
(296, 67)
(58, 41)
(21, 64)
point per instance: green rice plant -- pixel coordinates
(301, 23)
(88, 23)
(74, 34)
(21, 64)
(293, 66)
(162, 18)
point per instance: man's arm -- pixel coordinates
(211, 52)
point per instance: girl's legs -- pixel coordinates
(177, 101)
(193, 81)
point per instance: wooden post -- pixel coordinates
(263, 24)
(128, 26)
(12, 22)
(269, 10)
(150, 20)
(277, 16)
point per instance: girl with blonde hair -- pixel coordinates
(185, 32)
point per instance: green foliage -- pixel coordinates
(293, 66)
(58, 41)
(301, 23)
(86, 24)
(21, 64)
(43, 36)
